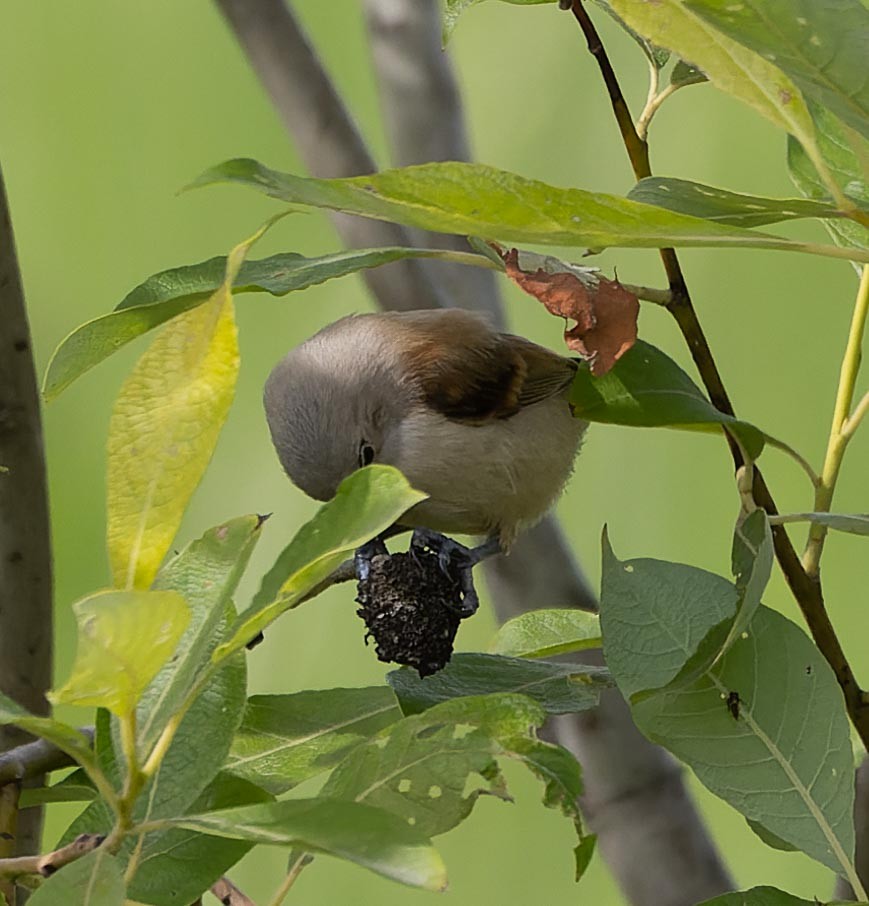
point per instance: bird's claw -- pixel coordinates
(456, 561)
(365, 554)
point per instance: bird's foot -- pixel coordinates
(376, 547)
(457, 561)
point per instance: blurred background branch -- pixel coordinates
(26, 629)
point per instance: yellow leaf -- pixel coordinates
(124, 638)
(165, 425)
(162, 434)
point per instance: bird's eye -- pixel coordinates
(366, 454)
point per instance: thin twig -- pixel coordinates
(841, 429)
(653, 104)
(805, 588)
(229, 894)
(33, 759)
(47, 864)
(293, 872)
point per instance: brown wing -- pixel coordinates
(469, 372)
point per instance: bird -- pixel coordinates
(477, 419)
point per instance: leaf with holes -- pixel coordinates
(285, 739)
(546, 633)
(420, 767)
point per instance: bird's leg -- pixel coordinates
(376, 547)
(457, 561)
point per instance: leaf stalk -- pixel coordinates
(843, 427)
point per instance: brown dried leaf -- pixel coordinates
(604, 311)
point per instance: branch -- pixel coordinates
(327, 139)
(805, 589)
(26, 626)
(8, 832)
(34, 759)
(425, 121)
(229, 894)
(46, 865)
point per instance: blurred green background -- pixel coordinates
(106, 109)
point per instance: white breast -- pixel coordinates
(486, 479)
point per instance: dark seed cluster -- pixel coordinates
(410, 607)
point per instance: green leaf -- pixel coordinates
(730, 66)
(685, 74)
(837, 146)
(474, 199)
(206, 573)
(654, 616)
(172, 292)
(65, 737)
(786, 760)
(559, 688)
(285, 739)
(657, 56)
(583, 854)
(546, 633)
(420, 767)
(770, 839)
(822, 45)
(646, 388)
(367, 502)
(124, 638)
(93, 880)
(763, 727)
(201, 743)
(178, 865)
(713, 203)
(75, 787)
(762, 896)
(752, 559)
(853, 523)
(358, 833)
(454, 8)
